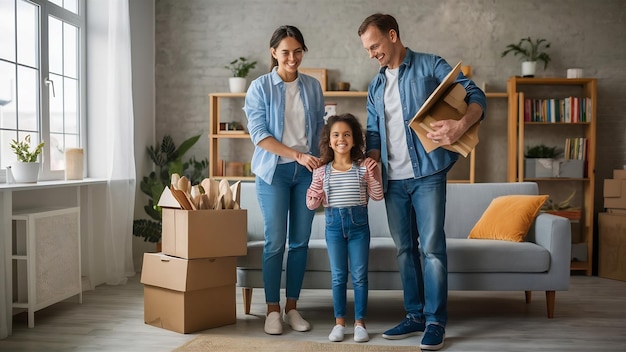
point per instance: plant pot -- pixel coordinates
(25, 172)
(237, 84)
(528, 68)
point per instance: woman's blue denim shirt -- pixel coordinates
(419, 75)
(265, 110)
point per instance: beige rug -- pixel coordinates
(219, 343)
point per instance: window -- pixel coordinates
(41, 86)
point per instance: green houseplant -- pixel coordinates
(168, 159)
(530, 51)
(26, 169)
(240, 68)
(23, 152)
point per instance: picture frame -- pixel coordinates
(318, 73)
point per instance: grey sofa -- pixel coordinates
(541, 263)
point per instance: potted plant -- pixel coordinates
(168, 159)
(539, 161)
(530, 52)
(26, 169)
(239, 68)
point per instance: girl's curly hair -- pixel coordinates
(357, 153)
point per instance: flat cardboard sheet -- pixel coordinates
(445, 103)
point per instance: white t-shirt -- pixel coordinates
(294, 131)
(399, 162)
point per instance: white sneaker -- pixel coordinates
(273, 324)
(360, 334)
(336, 334)
(294, 319)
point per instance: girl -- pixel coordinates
(343, 184)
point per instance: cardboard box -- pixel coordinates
(189, 295)
(612, 246)
(619, 174)
(445, 103)
(615, 194)
(193, 234)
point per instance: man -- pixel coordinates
(414, 180)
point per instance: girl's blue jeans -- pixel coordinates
(348, 242)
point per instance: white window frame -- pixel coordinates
(46, 9)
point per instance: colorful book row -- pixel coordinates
(567, 110)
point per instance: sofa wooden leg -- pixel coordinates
(528, 296)
(550, 297)
(247, 299)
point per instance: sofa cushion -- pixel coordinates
(508, 217)
(495, 256)
(464, 255)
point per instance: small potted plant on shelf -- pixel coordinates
(539, 161)
(239, 68)
(26, 168)
(530, 52)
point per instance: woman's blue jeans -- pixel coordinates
(425, 291)
(285, 215)
(348, 243)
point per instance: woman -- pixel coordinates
(285, 112)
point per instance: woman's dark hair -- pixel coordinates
(383, 22)
(281, 33)
(357, 153)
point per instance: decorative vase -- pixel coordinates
(237, 84)
(25, 172)
(528, 68)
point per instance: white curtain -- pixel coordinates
(120, 161)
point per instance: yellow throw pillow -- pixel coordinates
(508, 218)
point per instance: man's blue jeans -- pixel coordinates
(425, 291)
(283, 206)
(348, 243)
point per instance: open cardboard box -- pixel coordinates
(192, 234)
(189, 295)
(445, 103)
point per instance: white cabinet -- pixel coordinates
(45, 252)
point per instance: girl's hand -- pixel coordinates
(370, 165)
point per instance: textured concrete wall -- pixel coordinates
(196, 38)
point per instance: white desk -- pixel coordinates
(42, 192)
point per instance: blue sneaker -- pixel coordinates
(433, 337)
(408, 327)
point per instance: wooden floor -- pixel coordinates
(591, 316)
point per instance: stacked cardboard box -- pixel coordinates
(191, 285)
(612, 229)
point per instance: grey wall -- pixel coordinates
(194, 39)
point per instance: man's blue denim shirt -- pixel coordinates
(419, 75)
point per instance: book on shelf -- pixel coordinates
(576, 148)
(568, 110)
